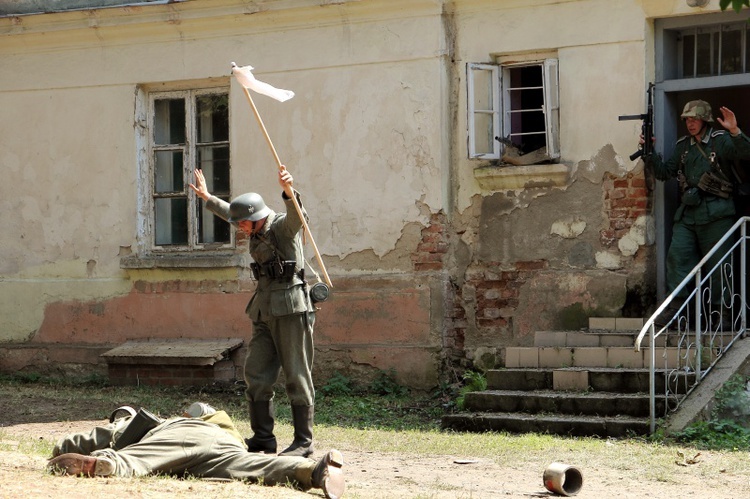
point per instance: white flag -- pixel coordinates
(247, 80)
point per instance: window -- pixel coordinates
(716, 50)
(513, 107)
(189, 129)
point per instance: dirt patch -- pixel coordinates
(369, 474)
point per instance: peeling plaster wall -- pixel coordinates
(546, 253)
(376, 139)
(365, 137)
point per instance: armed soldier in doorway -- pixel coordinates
(700, 163)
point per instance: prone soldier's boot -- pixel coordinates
(261, 422)
(324, 474)
(302, 446)
(80, 465)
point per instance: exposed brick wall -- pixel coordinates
(494, 294)
(456, 323)
(434, 245)
(625, 199)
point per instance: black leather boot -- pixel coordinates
(302, 446)
(261, 422)
(327, 475)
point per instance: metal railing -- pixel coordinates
(695, 333)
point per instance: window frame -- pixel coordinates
(501, 105)
(715, 31)
(190, 159)
(494, 69)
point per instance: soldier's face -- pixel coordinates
(249, 227)
(694, 126)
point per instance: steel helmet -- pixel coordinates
(248, 206)
(698, 109)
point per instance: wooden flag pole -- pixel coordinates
(290, 192)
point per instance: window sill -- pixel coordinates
(501, 178)
(134, 262)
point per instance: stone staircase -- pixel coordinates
(581, 383)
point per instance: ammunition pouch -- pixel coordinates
(142, 423)
(691, 197)
(282, 270)
(711, 183)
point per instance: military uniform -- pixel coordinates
(702, 219)
(205, 447)
(209, 446)
(283, 319)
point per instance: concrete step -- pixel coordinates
(583, 426)
(580, 383)
(619, 357)
(595, 339)
(616, 323)
(556, 402)
(598, 379)
(619, 339)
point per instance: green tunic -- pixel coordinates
(283, 315)
(726, 147)
(698, 228)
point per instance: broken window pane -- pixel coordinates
(213, 118)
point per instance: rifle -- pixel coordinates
(647, 128)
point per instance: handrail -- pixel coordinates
(690, 336)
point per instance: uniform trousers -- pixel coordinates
(188, 447)
(690, 243)
(281, 343)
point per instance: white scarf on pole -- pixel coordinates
(246, 79)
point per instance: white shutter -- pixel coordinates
(552, 107)
(483, 110)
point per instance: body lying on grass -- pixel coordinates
(207, 446)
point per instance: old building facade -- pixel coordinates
(462, 161)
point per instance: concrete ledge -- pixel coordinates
(183, 352)
(619, 426)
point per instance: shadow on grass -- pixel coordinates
(37, 399)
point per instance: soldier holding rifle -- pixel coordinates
(700, 163)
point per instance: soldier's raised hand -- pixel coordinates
(200, 186)
(286, 181)
(728, 120)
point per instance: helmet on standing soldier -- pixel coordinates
(698, 109)
(248, 206)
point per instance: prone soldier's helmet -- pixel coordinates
(248, 206)
(698, 109)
